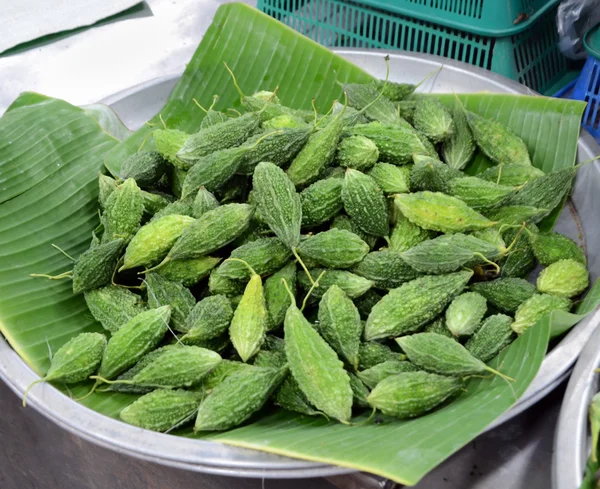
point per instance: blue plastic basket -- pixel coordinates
(587, 88)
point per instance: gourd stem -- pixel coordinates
(145, 139)
(514, 241)
(215, 98)
(324, 115)
(500, 374)
(106, 381)
(284, 282)
(244, 262)
(235, 83)
(38, 381)
(162, 120)
(368, 420)
(263, 137)
(92, 390)
(303, 266)
(586, 162)
(63, 252)
(183, 420)
(499, 174)
(489, 262)
(68, 274)
(312, 103)
(429, 75)
(310, 291)
(160, 265)
(200, 106)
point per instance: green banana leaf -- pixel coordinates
(48, 174)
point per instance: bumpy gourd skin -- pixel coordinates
(276, 296)
(182, 366)
(565, 278)
(279, 204)
(411, 394)
(377, 108)
(357, 152)
(365, 203)
(440, 212)
(133, 340)
(123, 212)
(279, 148)
(335, 248)
(544, 192)
(316, 367)
(440, 354)
(497, 141)
(189, 271)
(459, 148)
(352, 284)
(236, 398)
(404, 235)
(113, 306)
(433, 119)
(77, 359)
(391, 178)
(506, 294)
(212, 231)
(551, 247)
(521, 260)
(94, 268)
(153, 241)
(161, 410)
(536, 308)
(372, 376)
(316, 155)
(371, 353)
(321, 201)
(436, 256)
(397, 143)
(207, 248)
(209, 318)
(145, 167)
(340, 325)
(163, 292)
(264, 255)
(495, 334)
(250, 320)
(387, 269)
(465, 312)
(511, 174)
(480, 194)
(224, 135)
(414, 304)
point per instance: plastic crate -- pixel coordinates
(587, 88)
(529, 55)
(486, 17)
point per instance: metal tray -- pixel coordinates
(572, 440)
(137, 105)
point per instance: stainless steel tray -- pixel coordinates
(572, 441)
(137, 105)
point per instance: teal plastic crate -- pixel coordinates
(484, 17)
(529, 54)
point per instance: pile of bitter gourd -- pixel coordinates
(322, 264)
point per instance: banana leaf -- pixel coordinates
(52, 198)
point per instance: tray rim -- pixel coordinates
(216, 458)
